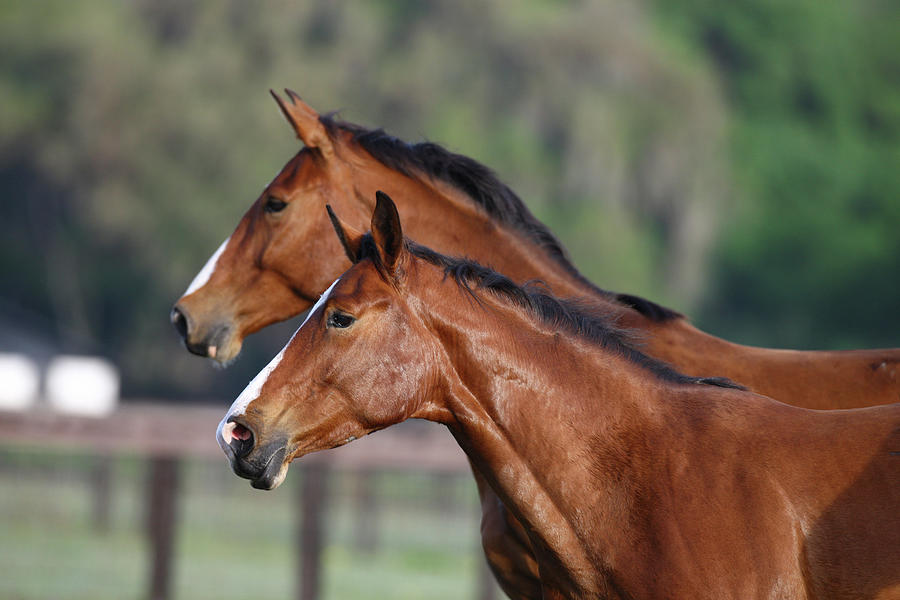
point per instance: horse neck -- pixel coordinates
(532, 407)
(589, 451)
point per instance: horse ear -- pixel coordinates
(386, 231)
(305, 121)
(349, 237)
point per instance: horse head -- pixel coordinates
(335, 380)
(282, 254)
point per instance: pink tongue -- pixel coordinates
(240, 433)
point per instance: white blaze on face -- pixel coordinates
(207, 270)
(251, 392)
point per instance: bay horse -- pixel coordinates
(632, 480)
(283, 254)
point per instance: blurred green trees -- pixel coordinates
(737, 161)
(811, 257)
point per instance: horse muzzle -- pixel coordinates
(215, 342)
(263, 464)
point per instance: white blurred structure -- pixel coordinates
(82, 385)
(20, 381)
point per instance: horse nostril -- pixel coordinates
(180, 322)
(239, 437)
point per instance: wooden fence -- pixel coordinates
(168, 434)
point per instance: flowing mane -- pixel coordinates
(481, 185)
(574, 316)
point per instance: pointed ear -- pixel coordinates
(349, 237)
(386, 231)
(305, 121)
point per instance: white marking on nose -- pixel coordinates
(228, 431)
(207, 270)
(251, 392)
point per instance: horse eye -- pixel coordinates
(274, 205)
(340, 320)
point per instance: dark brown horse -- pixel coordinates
(283, 254)
(631, 479)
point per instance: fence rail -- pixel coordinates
(178, 430)
(166, 434)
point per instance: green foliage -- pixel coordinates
(811, 257)
(135, 135)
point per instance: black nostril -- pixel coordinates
(240, 438)
(180, 322)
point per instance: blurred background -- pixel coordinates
(737, 162)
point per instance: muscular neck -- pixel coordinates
(542, 431)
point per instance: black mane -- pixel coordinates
(648, 308)
(483, 187)
(578, 317)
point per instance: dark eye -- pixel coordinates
(274, 205)
(340, 320)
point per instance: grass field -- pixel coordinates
(233, 542)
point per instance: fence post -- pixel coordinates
(313, 496)
(101, 486)
(365, 511)
(162, 492)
